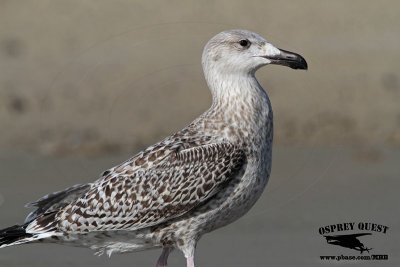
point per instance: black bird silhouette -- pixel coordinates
(348, 241)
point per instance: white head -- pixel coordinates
(243, 52)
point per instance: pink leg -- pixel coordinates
(162, 260)
(190, 262)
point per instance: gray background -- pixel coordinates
(86, 84)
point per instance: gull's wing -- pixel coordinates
(166, 185)
(55, 201)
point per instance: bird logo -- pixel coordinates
(348, 241)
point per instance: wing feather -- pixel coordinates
(144, 197)
(55, 201)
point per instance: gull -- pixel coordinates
(201, 178)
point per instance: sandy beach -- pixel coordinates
(310, 187)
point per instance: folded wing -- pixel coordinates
(176, 184)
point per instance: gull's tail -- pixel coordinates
(15, 235)
(40, 223)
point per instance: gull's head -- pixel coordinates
(242, 51)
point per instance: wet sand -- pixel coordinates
(310, 187)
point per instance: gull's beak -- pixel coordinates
(289, 59)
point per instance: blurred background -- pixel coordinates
(86, 84)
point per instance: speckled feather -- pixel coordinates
(194, 181)
(131, 196)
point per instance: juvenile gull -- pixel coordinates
(199, 179)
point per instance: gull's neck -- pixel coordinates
(237, 95)
(240, 112)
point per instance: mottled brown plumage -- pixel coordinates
(194, 181)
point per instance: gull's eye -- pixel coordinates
(244, 43)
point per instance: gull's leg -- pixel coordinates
(162, 260)
(188, 249)
(190, 261)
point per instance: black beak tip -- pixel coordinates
(290, 59)
(300, 64)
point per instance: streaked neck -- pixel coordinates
(233, 93)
